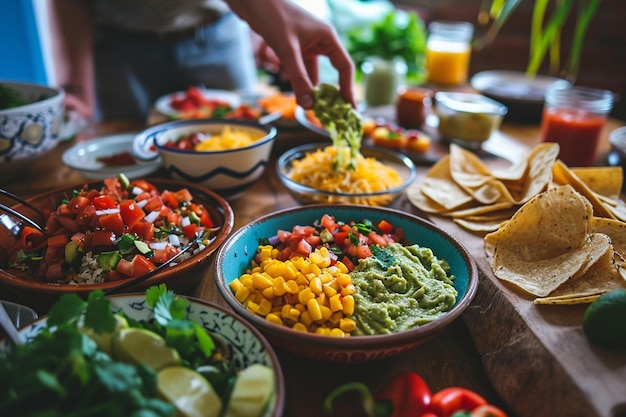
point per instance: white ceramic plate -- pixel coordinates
(83, 157)
(163, 106)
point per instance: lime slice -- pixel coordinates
(602, 321)
(190, 392)
(141, 346)
(253, 388)
(105, 340)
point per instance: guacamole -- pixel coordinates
(408, 288)
(344, 124)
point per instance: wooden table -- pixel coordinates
(451, 358)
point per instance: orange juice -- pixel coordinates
(447, 63)
(448, 52)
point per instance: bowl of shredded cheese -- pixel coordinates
(377, 177)
(226, 156)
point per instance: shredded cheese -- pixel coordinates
(229, 139)
(317, 170)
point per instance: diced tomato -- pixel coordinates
(125, 267)
(329, 223)
(87, 217)
(169, 199)
(146, 195)
(141, 265)
(363, 251)
(284, 235)
(304, 248)
(144, 230)
(103, 239)
(76, 204)
(183, 195)
(348, 263)
(340, 237)
(174, 218)
(112, 222)
(115, 275)
(154, 204)
(162, 255)
(131, 213)
(143, 184)
(57, 241)
(314, 240)
(205, 219)
(377, 239)
(385, 227)
(190, 230)
(102, 202)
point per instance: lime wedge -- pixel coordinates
(190, 392)
(141, 346)
(253, 388)
(105, 340)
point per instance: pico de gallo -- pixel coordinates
(194, 105)
(123, 230)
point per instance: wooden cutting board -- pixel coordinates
(537, 357)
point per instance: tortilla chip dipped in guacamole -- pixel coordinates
(553, 248)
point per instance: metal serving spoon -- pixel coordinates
(19, 215)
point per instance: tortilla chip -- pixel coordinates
(439, 186)
(483, 226)
(614, 229)
(562, 175)
(602, 277)
(544, 244)
(606, 181)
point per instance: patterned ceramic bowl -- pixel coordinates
(228, 171)
(246, 344)
(30, 130)
(235, 256)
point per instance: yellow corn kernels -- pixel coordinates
(305, 293)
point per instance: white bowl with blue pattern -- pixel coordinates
(245, 343)
(31, 130)
(227, 172)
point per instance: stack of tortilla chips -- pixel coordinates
(555, 232)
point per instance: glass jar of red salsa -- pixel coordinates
(574, 117)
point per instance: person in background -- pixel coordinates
(114, 58)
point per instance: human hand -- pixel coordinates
(298, 39)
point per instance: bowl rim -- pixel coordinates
(280, 394)
(470, 103)
(369, 150)
(361, 341)
(146, 147)
(221, 205)
(58, 94)
(479, 82)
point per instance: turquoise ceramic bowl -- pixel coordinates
(234, 257)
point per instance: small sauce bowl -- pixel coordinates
(468, 119)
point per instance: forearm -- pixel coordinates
(71, 26)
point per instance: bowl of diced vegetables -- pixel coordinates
(225, 155)
(31, 118)
(103, 234)
(157, 354)
(345, 283)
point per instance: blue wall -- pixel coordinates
(20, 49)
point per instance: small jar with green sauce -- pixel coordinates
(381, 80)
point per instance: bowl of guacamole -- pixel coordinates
(345, 283)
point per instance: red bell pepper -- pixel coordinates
(450, 400)
(408, 393)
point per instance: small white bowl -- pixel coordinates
(228, 172)
(29, 131)
(84, 158)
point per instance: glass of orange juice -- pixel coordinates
(448, 51)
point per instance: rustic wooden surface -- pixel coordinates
(530, 361)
